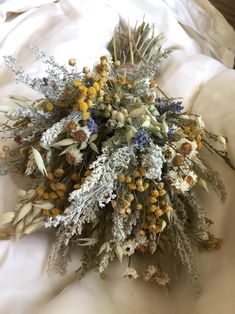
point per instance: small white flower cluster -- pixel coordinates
(130, 273)
(152, 161)
(153, 273)
(123, 226)
(98, 189)
(50, 135)
(35, 115)
(53, 85)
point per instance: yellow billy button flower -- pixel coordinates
(49, 106)
(130, 197)
(59, 172)
(60, 186)
(121, 80)
(159, 212)
(72, 62)
(76, 83)
(146, 185)
(152, 208)
(85, 115)
(53, 196)
(60, 193)
(150, 98)
(139, 182)
(83, 106)
(131, 186)
(128, 211)
(55, 211)
(117, 63)
(87, 173)
(83, 89)
(199, 145)
(96, 86)
(46, 196)
(122, 211)
(135, 173)
(151, 83)
(155, 193)
(45, 212)
(153, 228)
(86, 70)
(114, 203)
(168, 209)
(77, 186)
(127, 179)
(108, 107)
(121, 177)
(162, 192)
(40, 192)
(139, 206)
(126, 204)
(74, 176)
(92, 91)
(141, 233)
(140, 188)
(152, 199)
(141, 171)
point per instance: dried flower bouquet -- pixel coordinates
(112, 163)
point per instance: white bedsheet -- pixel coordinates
(199, 71)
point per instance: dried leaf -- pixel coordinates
(20, 98)
(65, 142)
(5, 235)
(7, 217)
(35, 212)
(44, 205)
(129, 136)
(32, 228)
(165, 127)
(39, 161)
(93, 138)
(222, 140)
(19, 230)
(163, 225)
(200, 122)
(204, 185)
(37, 219)
(104, 247)
(23, 212)
(136, 112)
(83, 146)
(120, 117)
(119, 252)
(21, 193)
(5, 109)
(94, 147)
(49, 157)
(87, 241)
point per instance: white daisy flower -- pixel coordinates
(186, 147)
(129, 247)
(131, 273)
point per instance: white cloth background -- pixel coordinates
(200, 71)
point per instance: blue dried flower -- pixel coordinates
(174, 107)
(89, 83)
(141, 139)
(171, 132)
(92, 126)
